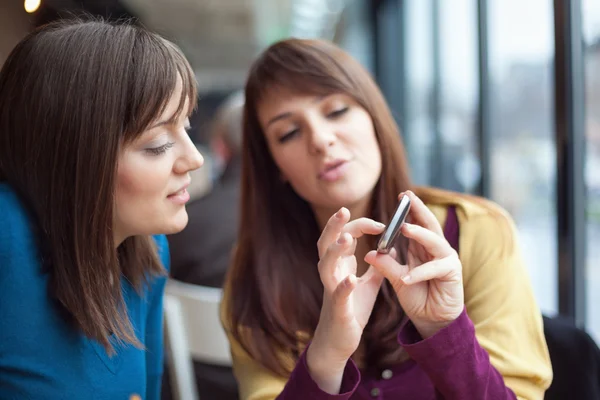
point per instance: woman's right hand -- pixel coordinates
(347, 300)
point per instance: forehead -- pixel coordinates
(177, 105)
(174, 101)
(277, 100)
(276, 95)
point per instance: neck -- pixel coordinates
(118, 238)
(357, 210)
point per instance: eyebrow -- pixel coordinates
(169, 121)
(288, 114)
(279, 118)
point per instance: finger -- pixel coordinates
(342, 292)
(387, 266)
(437, 246)
(363, 226)
(411, 258)
(420, 214)
(331, 257)
(448, 270)
(332, 229)
(393, 253)
(371, 274)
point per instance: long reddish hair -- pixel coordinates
(274, 286)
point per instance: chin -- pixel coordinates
(349, 196)
(176, 224)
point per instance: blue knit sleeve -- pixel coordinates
(154, 326)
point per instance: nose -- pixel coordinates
(190, 159)
(322, 136)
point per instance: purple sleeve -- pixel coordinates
(455, 362)
(301, 385)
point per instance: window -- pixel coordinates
(458, 154)
(522, 139)
(591, 34)
(417, 119)
(441, 93)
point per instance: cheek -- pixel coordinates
(375, 152)
(138, 182)
(129, 184)
(368, 143)
(293, 165)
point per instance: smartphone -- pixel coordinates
(393, 229)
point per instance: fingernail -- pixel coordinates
(340, 213)
(379, 225)
(405, 278)
(342, 239)
(408, 226)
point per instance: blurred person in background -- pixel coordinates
(94, 164)
(311, 309)
(201, 253)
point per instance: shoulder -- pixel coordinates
(474, 212)
(14, 217)
(487, 231)
(162, 247)
(16, 233)
(20, 265)
(470, 207)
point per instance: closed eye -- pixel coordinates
(289, 135)
(156, 151)
(337, 113)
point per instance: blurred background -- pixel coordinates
(494, 97)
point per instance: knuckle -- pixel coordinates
(320, 243)
(320, 265)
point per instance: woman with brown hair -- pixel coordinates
(311, 310)
(94, 160)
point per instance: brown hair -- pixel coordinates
(275, 288)
(72, 93)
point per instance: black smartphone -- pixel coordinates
(391, 232)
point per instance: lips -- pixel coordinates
(180, 191)
(333, 170)
(331, 165)
(180, 197)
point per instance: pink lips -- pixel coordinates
(181, 196)
(333, 170)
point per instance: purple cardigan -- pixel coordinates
(450, 365)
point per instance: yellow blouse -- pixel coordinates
(498, 297)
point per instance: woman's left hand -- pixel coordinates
(430, 287)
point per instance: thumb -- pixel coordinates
(386, 265)
(343, 290)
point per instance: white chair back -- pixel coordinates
(193, 332)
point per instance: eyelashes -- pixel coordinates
(332, 116)
(156, 151)
(337, 113)
(288, 136)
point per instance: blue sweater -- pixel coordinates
(41, 356)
